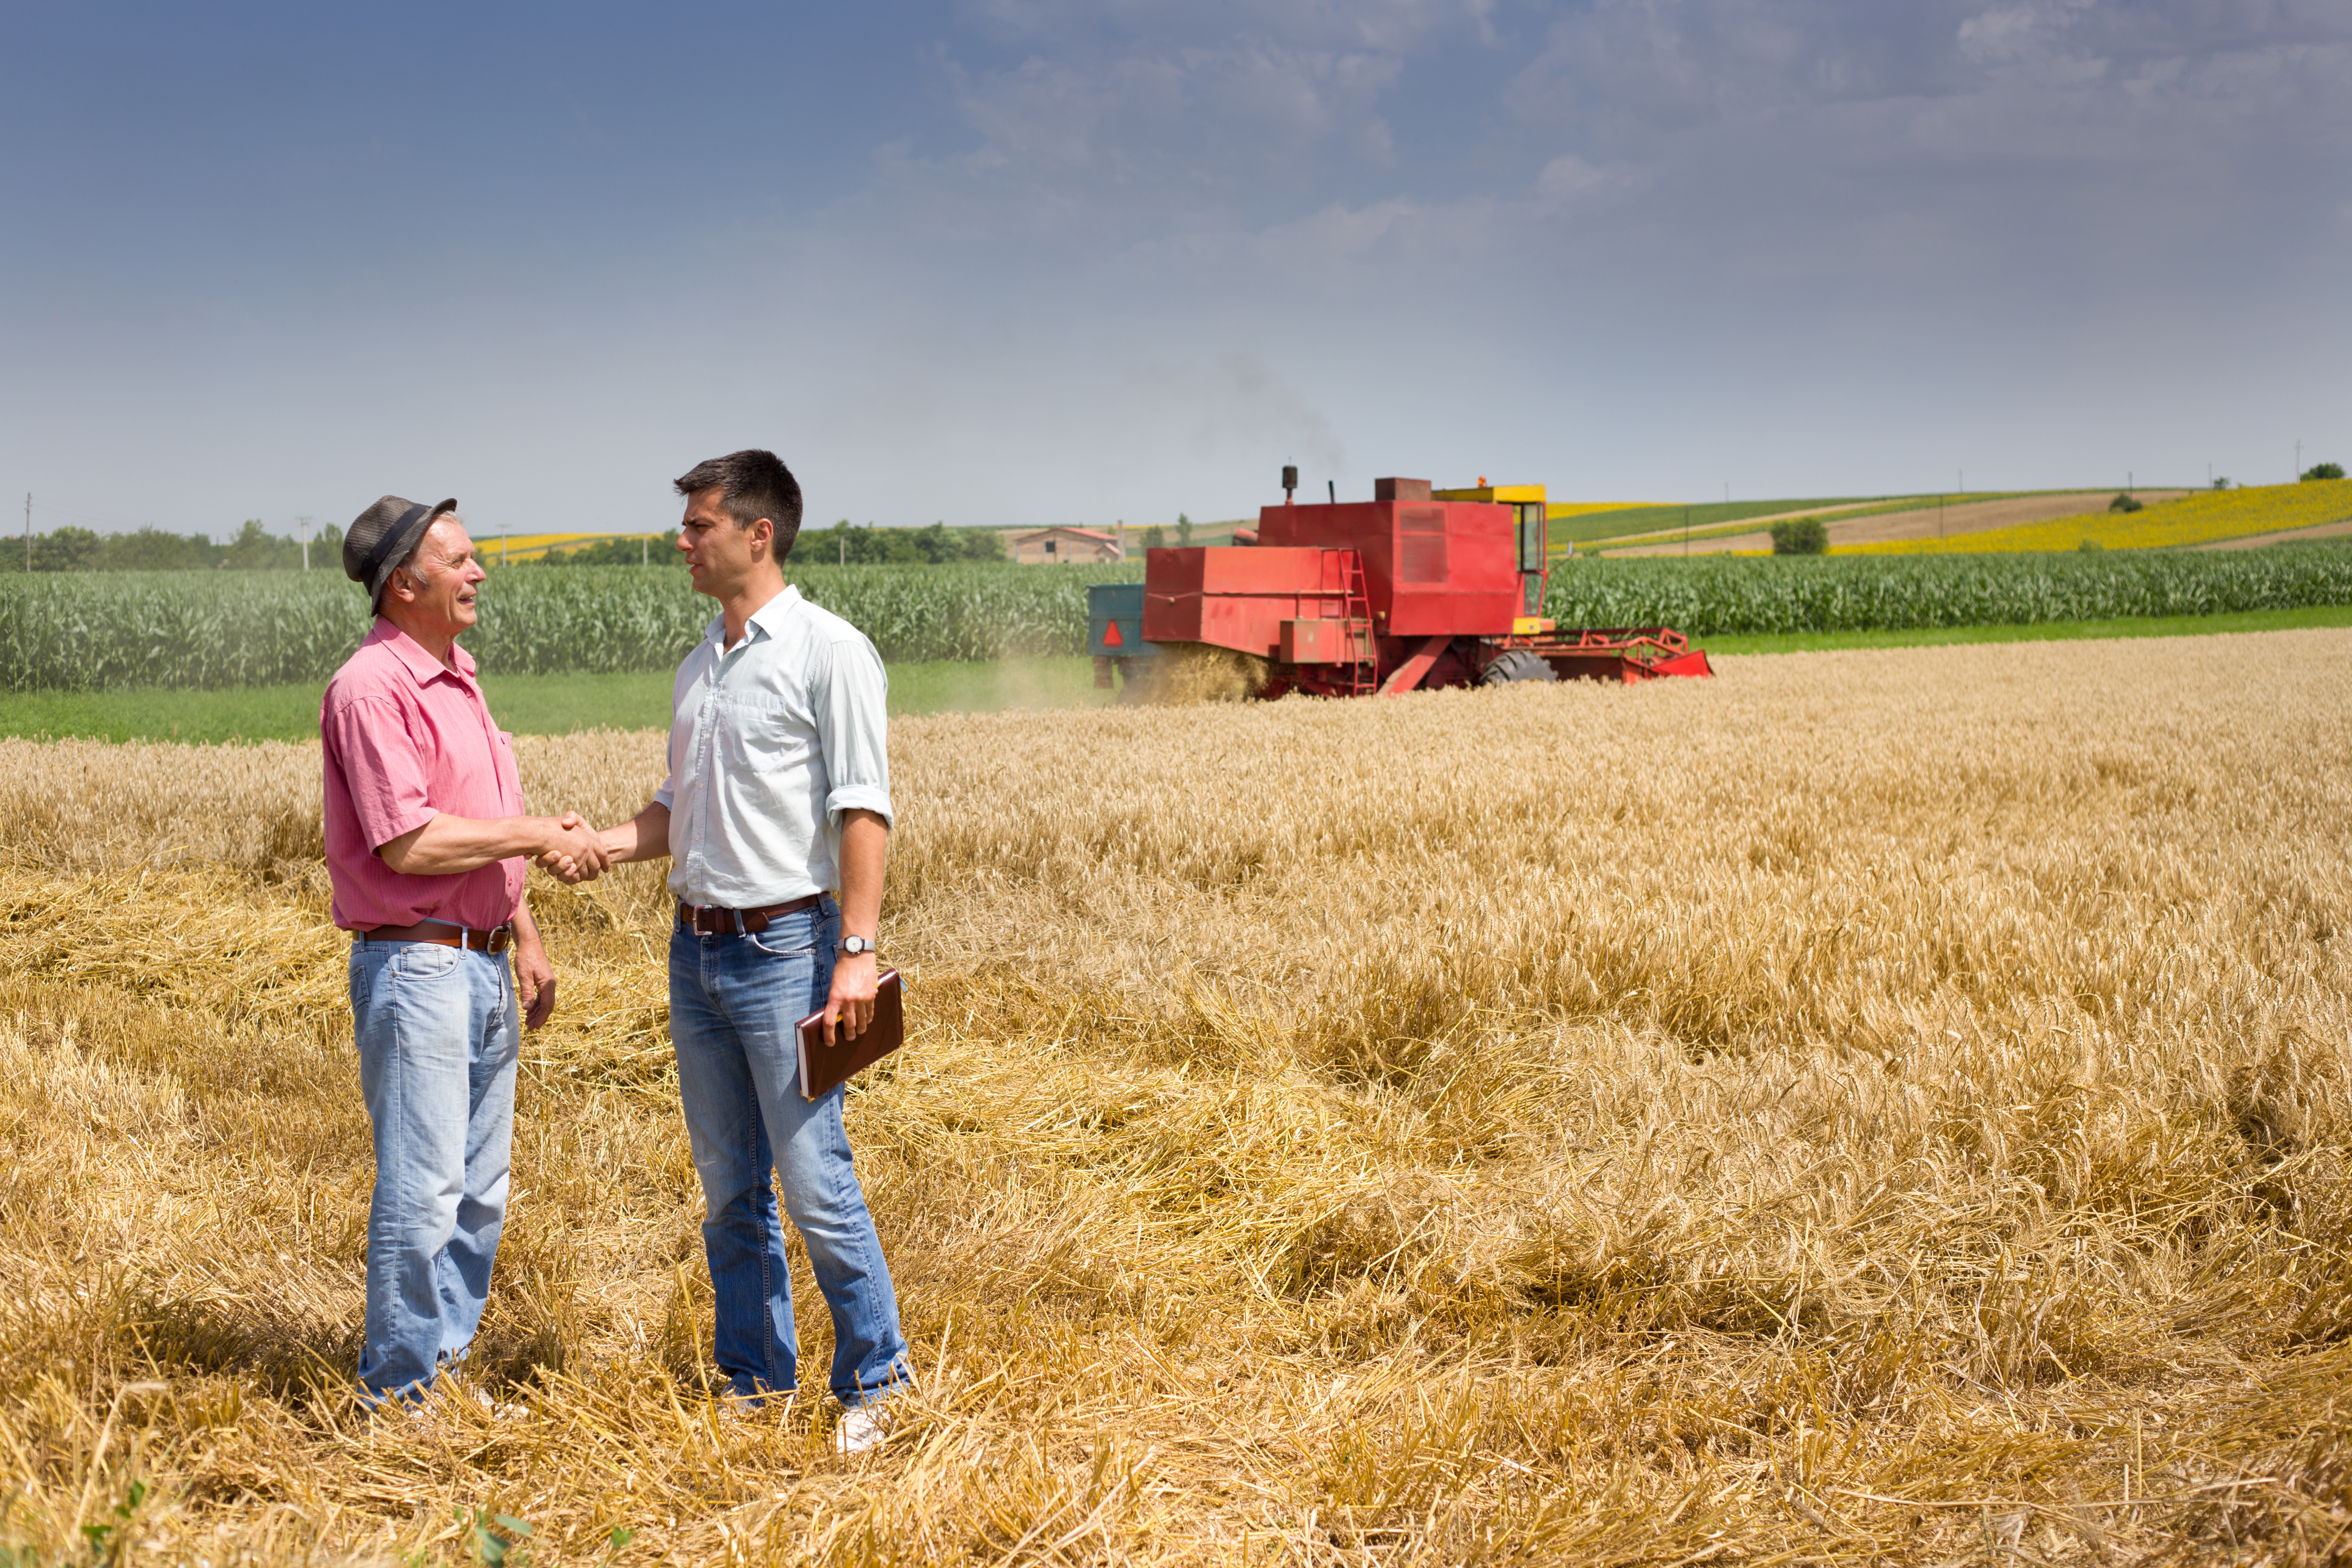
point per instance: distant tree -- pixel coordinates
(1156, 537)
(941, 544)
(65, 550)
(2324, 471)
(871, 546)
(2222, 483)
(2125, 504)
(1183, 530)
(252, 548)
(152, 550)
(629, 551)
(1800, 536)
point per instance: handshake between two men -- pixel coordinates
(566, 847)
(574, 852)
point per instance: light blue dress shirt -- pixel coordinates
(769, 744)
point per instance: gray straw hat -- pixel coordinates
(382, 537)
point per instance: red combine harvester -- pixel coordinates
(1413, 589)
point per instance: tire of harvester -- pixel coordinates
(1513, 665)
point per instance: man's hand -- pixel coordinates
(572, 850)
(534, 981)
(850, 1009)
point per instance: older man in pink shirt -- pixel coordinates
(426, 845)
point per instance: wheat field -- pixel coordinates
(1879, 1107)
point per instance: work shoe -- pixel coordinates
(866, 1426)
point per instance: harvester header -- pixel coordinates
(1412, 589)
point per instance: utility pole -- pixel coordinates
(306, 542)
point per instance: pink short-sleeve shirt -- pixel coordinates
(405, 739)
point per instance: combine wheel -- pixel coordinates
(1516, 664)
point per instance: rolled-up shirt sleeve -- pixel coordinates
(382, 768)
(848, 702)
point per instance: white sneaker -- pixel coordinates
(865, 1427)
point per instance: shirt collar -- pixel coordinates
(411, 653)
(769, 618)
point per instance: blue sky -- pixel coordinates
(1020, 261)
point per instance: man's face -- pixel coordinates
(719, 556)
(438, 586)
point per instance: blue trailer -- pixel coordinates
(1115, 632)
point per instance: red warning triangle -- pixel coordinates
(1110, 636)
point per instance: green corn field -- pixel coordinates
(1721, 594)
(101, 630)
(107, 630)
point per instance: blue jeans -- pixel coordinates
(437, 1035)
(734, 1001)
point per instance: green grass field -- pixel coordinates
(561, 704)
(526, 704)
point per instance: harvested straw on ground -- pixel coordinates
(1886, 1107)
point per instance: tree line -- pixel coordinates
(841, 544)
(252, 548)
(255, 548)
(871, 546)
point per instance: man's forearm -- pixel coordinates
(865, 858)
(645, 836)
(450, 844)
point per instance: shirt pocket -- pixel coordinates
(760, 735)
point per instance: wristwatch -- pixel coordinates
(852, 946)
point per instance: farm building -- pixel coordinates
(1064, 546)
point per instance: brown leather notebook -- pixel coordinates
(823, 1065)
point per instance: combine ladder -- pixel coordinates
(1356, 679)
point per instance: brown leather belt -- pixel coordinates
(706, 920)
(443, 934)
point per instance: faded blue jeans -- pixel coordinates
(438, 1035)
(734, 1003)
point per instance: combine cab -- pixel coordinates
(1415, 588)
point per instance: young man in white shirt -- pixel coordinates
(778, 793)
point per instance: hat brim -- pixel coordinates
(403, 547)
